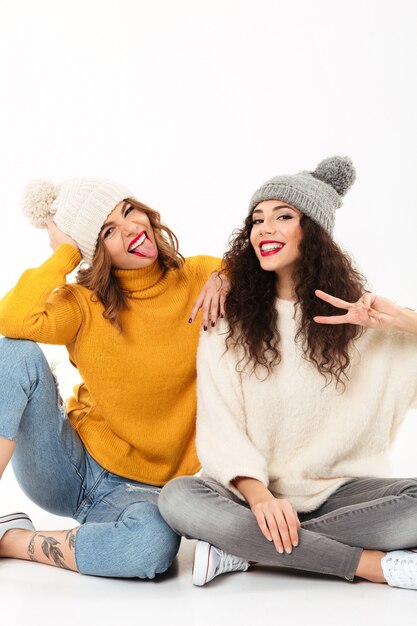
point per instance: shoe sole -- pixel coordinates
(201, 563)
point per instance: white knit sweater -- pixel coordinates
(300, 438)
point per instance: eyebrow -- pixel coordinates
(276, 208)
(106, 224)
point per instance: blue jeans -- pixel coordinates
(122, 533)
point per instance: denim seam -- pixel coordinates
(331, 517)
(88, 498)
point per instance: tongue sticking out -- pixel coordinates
(146, 249)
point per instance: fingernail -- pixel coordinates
(213, 324)
(190, 320)
(221, 315)
(295, 544)
(280, 550)
(288, 550)
(205, 327)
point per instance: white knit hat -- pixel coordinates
(78, 207)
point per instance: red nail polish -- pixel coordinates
(190, 320)
(205, 327)
(213, 324)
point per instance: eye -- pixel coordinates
(128, 210)
(258, 221)
(285, 216)
(108, 232)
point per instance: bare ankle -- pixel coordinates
(369, 566)
(9, 540)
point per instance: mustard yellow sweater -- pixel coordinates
(135, 411)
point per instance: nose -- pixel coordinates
(267, 227)
(129, 229)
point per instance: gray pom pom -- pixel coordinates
(338, 172)
(37, 200)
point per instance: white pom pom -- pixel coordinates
(37, 200)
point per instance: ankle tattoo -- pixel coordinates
(49, 547)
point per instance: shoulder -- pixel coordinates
(201, 265)
(213, 346)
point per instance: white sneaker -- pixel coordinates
(15, 520)
(210, 562)
(400, 568)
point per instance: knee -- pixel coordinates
(408, 487)
(152, 544)
(15, 352)
(174, 498)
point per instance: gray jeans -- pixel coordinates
(365, 513)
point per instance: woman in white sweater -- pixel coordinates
(300, 395)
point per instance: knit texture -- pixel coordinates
(317, 194)
(78, 206)
(301, 439)
(135, 410)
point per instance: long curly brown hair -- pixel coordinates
(251, 302)
(100, 276)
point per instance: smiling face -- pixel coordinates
(129, 238)
(275, 237)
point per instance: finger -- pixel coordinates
(196, 307)
(214, 308)
(375, 315)
(292, 524)
(205, 311)
(260, 518)
(332, 319)
(337, 302)
(222, 304)
(274, 530)
(284, 531)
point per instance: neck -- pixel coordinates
(285, 287)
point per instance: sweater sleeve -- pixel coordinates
(40, 307)
(200, 267)
(223, 445)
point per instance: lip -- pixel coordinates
(134, 240)
(270, 252)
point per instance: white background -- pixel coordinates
(194, 104)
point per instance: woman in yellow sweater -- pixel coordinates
(130, 426)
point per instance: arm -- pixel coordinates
(211, 300)
(371, 311)
(224, 447)
(39, 307)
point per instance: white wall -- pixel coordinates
(194, 104)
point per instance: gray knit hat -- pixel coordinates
(79, 207)
(317, 194)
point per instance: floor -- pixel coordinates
(32, 594)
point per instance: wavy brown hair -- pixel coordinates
(251, 302)
(102, 280)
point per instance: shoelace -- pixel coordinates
(230, 563)
(403, 567)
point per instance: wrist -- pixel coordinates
(406, 321)
(253, 490)
(260, 498)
